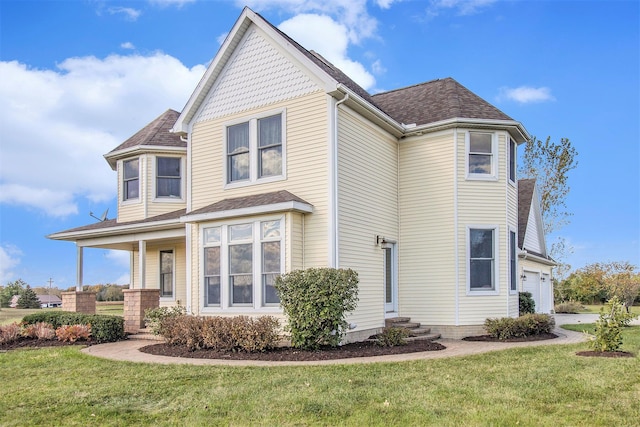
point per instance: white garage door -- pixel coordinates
(532, 284)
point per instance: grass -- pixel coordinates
(595, 309)
(10, 315)
(535, 386)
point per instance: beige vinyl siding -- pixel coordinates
(512, 221)
(131, 210)
(295, 235)
(531, 238)
(482, 203)
(367, 206)
(426, 244)
(306, 166)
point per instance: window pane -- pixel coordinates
(240, 232)
(241, 259)
(270, 229)
(271, 161)
(479, 163)
(388, 276)
(238, 138)
(270, 131)
(512, 259)
(269, 290)
(212, 235)
(480, 142)
(168, 187)
(242, 289)
(168, 166)
(271, 257)
(239, 167)
(131, 189)
(512, 160)
(166, 273)
(212, 261)
(212, 290)
(481, 274)
(481, 243)
(131, 169)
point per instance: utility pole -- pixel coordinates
(49, 293)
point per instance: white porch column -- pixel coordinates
(142, 256)
(79, 267)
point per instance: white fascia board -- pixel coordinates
(119, 230)
(480, 123)
(396, 128)
(132, 237)
(113, 157)
(256, 210)
(536, 258)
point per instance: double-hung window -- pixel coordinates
(512, 160)
(481, 153)
(168, 178)
(482, 259)
(254, 150)
(241, 263)
(131, 179)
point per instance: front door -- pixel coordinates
(390, 277)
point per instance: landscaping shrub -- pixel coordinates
(40, 330)
(73, 333)
(316, 302)
(240, 333)
(523, 326)
(392, 336)
(104, 328)
(526, 303)
(9, 333)
(154, 316)
(608, 331)
(569, 307)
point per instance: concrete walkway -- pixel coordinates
(128, 350)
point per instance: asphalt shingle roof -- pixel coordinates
(155, 133)
(525, 197)
(282, 196)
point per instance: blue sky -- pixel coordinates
(80, 77)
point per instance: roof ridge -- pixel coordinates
(413, 85)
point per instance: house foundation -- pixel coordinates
(136, 301)
(79, 302)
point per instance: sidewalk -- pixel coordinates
(128, 350)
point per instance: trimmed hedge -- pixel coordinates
(523, 326)
(104, 328)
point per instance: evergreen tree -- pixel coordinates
(28, 299)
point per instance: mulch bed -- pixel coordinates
(489, 338)
(288, 354)
(592, 353)
(36, 343)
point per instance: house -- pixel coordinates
(46, 301)
(279, 161)
(534, 261)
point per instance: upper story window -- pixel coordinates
(131, 179)
(482, 260)
(168, 178)
(481, 153)
(512, 160)
(254, 150)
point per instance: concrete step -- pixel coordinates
(145, 334)
(406, 325)
(427, 337)
(420, 331)
(392, 321)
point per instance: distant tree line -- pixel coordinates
(104, 292)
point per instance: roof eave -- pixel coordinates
(74, 236)
(291, 206)
(542, 260)
(379, 116)
(515, 128)
(113, 156)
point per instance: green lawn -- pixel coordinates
(10, 315)
(596, 309)
(535, 386)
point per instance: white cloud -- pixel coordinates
(222, 37)
(526, 94)
(127, 45)
(378, 68)
(9, 258)
(461, 7)
(330, 39)
(129, 13)
(167, 3)
(125, 279)
(120, 258)
(62, 121)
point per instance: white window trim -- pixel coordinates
(493, 176)
(183, 187)
(225, 292)
(138, 199)
(512, 230)
(253, 150)
(173, 278)
(496, 258)
(515, 160)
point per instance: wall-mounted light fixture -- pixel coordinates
(544, 279)
(523, 277)
(380, 240)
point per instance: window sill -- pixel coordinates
(240, 310)
(168, 200)
(131, 202)
(482, 293)
(247, 183)
(471, 177)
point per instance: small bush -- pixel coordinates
(390, 337)
(9, 333)
(40, 330)
(526, 303)
(239, 333)
(154, 316)
(608, 331)
(569, 307)
(523, 326)
(73, 333)
(104, 328)
(316, 302)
